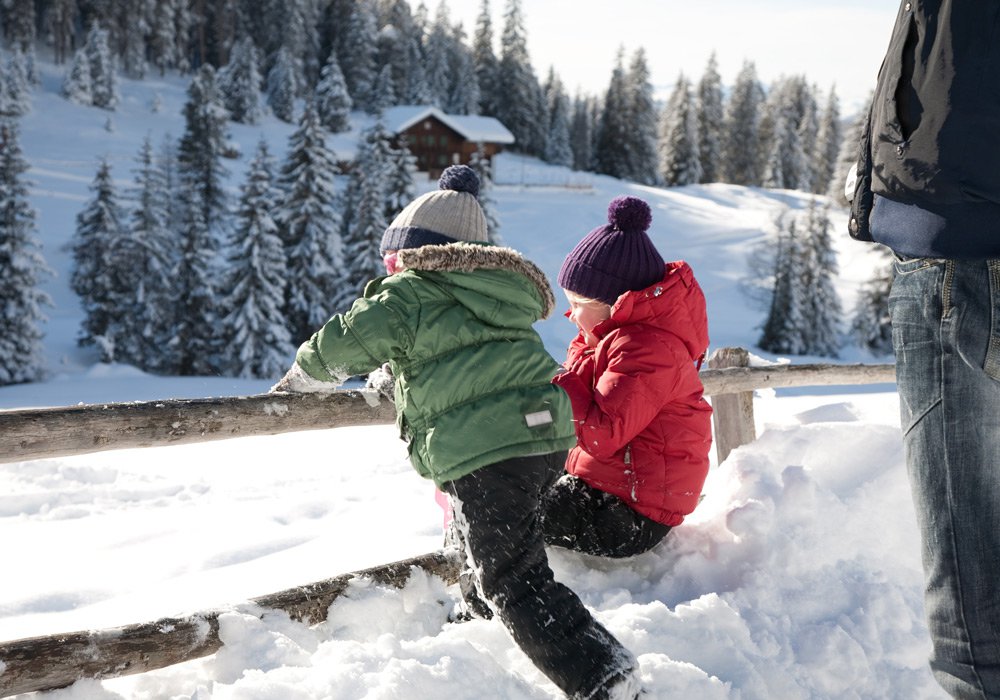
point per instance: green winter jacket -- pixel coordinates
(472, 377)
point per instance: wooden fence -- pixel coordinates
(46, 663)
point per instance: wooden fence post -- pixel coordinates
(732, 414)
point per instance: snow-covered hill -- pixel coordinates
(797, 576)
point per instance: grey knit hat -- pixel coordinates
(615, 258)
(448, 215)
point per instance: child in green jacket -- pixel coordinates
(475, 404)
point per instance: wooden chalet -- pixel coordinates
(438, 140)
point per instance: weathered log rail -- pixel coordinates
(56, 661)
(58, 432)
(45, 663)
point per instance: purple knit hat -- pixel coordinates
(615, 258)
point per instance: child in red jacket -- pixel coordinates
(643, 427)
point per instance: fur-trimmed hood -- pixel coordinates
(469, 257)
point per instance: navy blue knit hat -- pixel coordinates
(615, 258)
(447, 215)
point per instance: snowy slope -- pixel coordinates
(797, 577)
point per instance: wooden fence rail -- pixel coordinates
(59, 432)
(45, 663)
(59, 660)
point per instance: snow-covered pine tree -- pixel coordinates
(741, 136)
(581, 132)
(782, 331)
(98, 277)
(516, 82)
(678, 147)
(18, 18)
(239, 83)
(17, 85)
(612, 134)
(485, 61)
(711, 115)
(642, 117)
(103, 74)
(255, 340)
(22, 268)
(369, 214)
(557, 146)
(162, 41)
(357, 60)
(400, 46)
(133, 21)
(790, 125)
(299, 20)
(265, 22)
(484, 169)
(185, 21)
(166, 161)
(808, 131)
(282, 85)
(827, 146)
(822, 309)
(848, 155)
(782, 147)
(463, 87)
(540, 118)
(202, 177)
(149, 324)
(310, 227)
(333, 103)
(437, 49)
(871, 325)
(61, 25)
(383, 93)
(400, 189)
(76, 86)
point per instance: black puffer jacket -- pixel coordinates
(932, 142)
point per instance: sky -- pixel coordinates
(835, 44)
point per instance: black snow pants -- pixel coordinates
(577, 516)
(496, 510)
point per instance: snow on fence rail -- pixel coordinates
(58, 432)
(55, 661)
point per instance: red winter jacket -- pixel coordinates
(643, 429)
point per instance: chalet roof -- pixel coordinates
(471, 127)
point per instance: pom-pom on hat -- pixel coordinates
(447, 215)
(615, 258)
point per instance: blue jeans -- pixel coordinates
(946, 334)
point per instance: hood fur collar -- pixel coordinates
(467, 257)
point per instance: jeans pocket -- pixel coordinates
(915, 309)
(904, 265)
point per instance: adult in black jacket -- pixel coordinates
(928, 187)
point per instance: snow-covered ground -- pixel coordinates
(797, 577)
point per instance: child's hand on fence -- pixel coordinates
(382, 381)
(296, 381)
